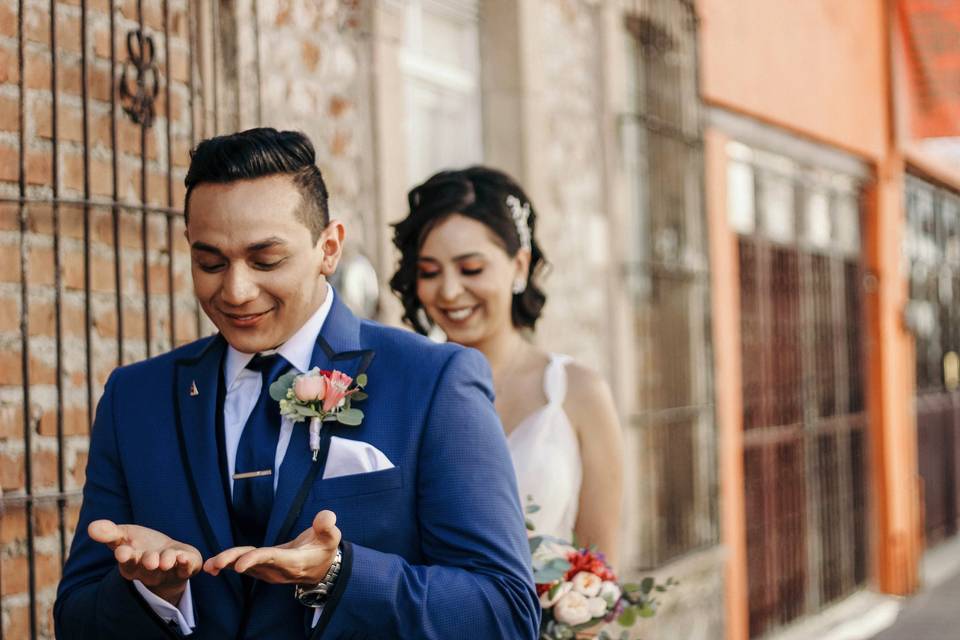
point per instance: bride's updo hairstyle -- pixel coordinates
(488, 196)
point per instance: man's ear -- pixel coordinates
(330, 243)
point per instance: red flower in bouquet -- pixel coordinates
(590, 561)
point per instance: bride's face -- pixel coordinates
(464, 280)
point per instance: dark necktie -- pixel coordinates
(256, 452)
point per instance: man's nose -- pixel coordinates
(239, 287)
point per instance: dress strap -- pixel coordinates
(555, 378)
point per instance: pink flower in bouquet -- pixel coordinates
(310, 387)
(572, 609)
(587, 583)
(337, 385)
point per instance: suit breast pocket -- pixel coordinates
(358, 484)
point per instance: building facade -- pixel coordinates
(593, 106)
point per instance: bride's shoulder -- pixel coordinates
(588, 394)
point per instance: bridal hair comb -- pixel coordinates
(521, 218)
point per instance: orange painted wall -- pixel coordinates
(812, 66)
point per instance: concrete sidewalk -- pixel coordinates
(933, 614)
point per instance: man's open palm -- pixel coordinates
(303, 560)
(161, 563)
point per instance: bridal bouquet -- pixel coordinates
(580, 594)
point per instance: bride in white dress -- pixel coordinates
(469, 264)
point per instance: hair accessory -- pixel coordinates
(521, 218)
(519, 286)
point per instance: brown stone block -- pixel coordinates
(8, 20)
(179, 65)
(9, 313)
(74, 422)
(36, 70)
(9, 163)
(99, 84)
(13, 525)
(186, 327)
(39, 167)
(72, 171)
(9, 67)
(68, 33)
(79, 470)
(71, 221)
(9, 114)
(46, 519)
(18, 623)
(11, 420)
(70, 79)
(41, 318)
(36, 24)
(101, 42)
(44, 469)
(42, 371)
(11, 472)
(40, 219)
(157, 190)
(101, 127)
(40, 265)
(101, 178)
(105, 323)
(102, 274)
(13, 578)
(10, 265)
(47, 567)
(73, 322)
(133, 327)
(9, 216)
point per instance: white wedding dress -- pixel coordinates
(546, 457)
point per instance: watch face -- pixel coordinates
(312, 599)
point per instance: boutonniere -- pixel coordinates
(320, 396)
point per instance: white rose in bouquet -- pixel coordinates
(610, 592)
(597, 607)
(546, 601)
(572, 609)
(587, 583)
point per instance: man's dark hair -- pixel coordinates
(257, 153)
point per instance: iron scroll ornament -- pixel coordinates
(138, 102)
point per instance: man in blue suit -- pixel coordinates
(204, 513)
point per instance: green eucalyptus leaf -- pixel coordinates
(647, 611)
(532, 508)
(628, 618)
(358, 396)
(646, 585)
(362, 380)
(278, 390)
(350, 417)
(529, 525)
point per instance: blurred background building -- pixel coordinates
(751, 208)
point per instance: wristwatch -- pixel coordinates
(315, 596)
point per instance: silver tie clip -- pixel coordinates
(253, 474)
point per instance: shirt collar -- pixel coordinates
(297, 350)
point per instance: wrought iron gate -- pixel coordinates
(803, 386)
(932, 250)
(101, 103)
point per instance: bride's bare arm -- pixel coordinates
(590, 406)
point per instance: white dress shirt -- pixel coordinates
(243, 390)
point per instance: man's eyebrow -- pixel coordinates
(251, 248)
(270, 242)
(206, 248)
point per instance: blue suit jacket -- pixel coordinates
(433, 548)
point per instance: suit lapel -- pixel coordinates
(195, 400)
(337, 347)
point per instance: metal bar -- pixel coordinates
(87, 311)
(84, 202)
(57, 265)
(42, 496)
(170, 279)
(144, 219)
(115, 187)
(25, 331)
(215, 39)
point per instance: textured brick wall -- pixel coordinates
(54, 163)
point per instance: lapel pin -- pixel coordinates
(193, 389)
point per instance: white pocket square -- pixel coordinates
(349, 457)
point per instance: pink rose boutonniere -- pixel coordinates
(320, 396)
